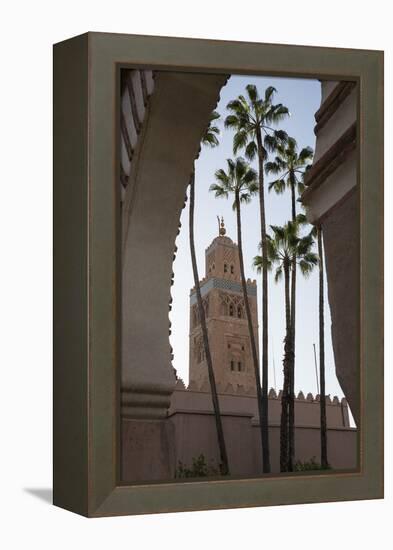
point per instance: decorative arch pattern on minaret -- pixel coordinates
(223, 300)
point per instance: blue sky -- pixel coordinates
(302, 97)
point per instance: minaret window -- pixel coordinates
(239, 366)
(225, 268)
(195, 317)
(232, 269)
(239, 312)
(231, 310)
(232, 365)
(199, 350)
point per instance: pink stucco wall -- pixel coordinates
(152, 449)
(192, 417)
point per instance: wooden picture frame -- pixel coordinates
(86, 332)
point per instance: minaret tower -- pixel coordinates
(227, 326)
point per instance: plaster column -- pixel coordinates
(332, 201)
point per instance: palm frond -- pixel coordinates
(210, 136)
(234, 105)
(301, 219)
(272, 248)
(305, 245)
(270, 143)
(277, 113)
(215, 115)
(275, 167)
(281, 137)
(245, 197)
(222, 177)
(311, 258)
(279, 233)
(269, 93)
(278, 274)
(251, 150)
(231, 121)
(239, 106)
(231, 170)
(259, 263)
(239, 168)
(300, 188)
(251, 178)
(210, 139)
(252, 92)
(219, 191)
(305, 155)
(291, 144)
(239, 140)
(278, 186)
(306, 268)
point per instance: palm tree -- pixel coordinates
(282, 247)
(209, 138)
(290, 165)
(324, 458)
(252, 120)
(241, 181)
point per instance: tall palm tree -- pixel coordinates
(241, 181)
(290, 165)
(324, 457)
(210, 139)
(252, 119)
(282, 248)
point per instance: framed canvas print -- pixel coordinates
(218, 260)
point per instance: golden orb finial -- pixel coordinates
(222, 227)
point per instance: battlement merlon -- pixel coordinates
(235, 389)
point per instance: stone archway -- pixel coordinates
(177, 114)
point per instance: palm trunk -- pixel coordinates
(248, 315)
(324, 459)
(264, 415)
(291, 459)
(284, 442)
(224, 466)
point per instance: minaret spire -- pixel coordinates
(222, 227)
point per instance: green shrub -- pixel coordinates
(199, 468)
(308, 465)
